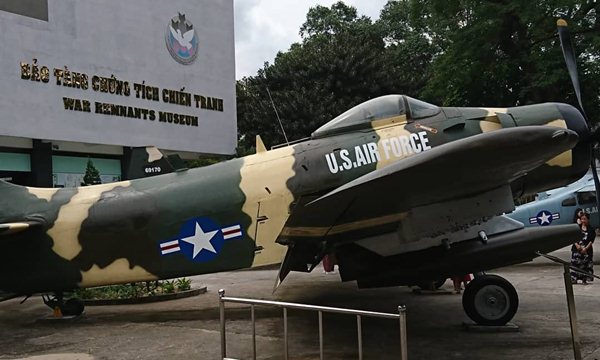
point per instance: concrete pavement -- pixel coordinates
(189, 328)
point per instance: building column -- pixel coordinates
(126, 162)
(41, 163)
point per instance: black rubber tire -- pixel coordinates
(73, 307)
(490, 300)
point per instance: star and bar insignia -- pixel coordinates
(200, 239)
(544, 218)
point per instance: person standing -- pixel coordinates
(577, 216)
(458, 280)
(329, 264)
(582, 252)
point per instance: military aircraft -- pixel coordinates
(399, 190)
(557, 206)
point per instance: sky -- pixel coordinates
(265, 27)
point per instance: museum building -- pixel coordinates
(92, 79)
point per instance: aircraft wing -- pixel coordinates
(455, 184)
(460, 169)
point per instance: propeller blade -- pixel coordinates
(570, 60)
(596, 181)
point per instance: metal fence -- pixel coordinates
(401, 317)
(567, 269)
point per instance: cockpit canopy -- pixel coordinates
(383, 107)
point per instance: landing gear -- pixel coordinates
(71, 307)
(490, 300)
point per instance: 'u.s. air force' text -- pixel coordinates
(398, 146)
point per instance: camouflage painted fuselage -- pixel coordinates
(133, 230)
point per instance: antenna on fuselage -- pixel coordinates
(277, 114)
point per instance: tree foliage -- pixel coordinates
(92, 176)
(338, 65)
(449, 52)
(507, 53)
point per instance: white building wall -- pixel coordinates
(124, 39)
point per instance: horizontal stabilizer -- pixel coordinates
(16, 227)
(7, 296)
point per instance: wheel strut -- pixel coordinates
(60, 307)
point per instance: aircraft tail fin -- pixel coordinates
(150, 161)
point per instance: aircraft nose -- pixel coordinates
(581, 154)
(575, 121)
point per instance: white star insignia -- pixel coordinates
(544, 218)
(201, 240)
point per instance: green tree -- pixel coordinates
(92, 176)
(449, 52)
(324, 21)
(339, 63)
(410, 48)
(507, 53)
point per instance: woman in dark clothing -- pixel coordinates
(582, 252)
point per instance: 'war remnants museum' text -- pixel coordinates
(118, 87)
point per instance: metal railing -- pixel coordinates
(401, 316)
(567, 268)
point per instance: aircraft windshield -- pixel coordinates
(420, 109)
(361, 115)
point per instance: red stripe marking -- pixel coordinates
(232, 231)
(169, 247)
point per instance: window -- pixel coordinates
(569, 202)
(361, 115)
(68, 171)
(420, 109)
(587, 197)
